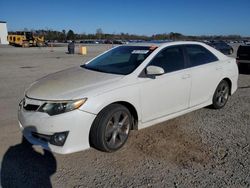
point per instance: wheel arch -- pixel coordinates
(133, 112)
(94, 134)
(132, 109)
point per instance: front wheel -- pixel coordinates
(221, 95)
(111, 128)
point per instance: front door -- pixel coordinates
(167, 93)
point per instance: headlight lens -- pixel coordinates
(54, 108)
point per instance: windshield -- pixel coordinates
(120, 60)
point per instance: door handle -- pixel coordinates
(185, 76)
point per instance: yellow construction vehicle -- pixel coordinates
(25, 39)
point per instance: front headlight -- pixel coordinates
(59, 107)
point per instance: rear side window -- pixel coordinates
(198, 55)
(170, 59)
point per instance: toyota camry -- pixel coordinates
(129, 87)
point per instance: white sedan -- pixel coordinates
(129, 87)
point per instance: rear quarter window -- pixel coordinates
(198, 55)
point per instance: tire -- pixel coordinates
(40, 44)
(25, 45)
(221, 95)
(111, 128)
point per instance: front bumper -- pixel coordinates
(77, 123)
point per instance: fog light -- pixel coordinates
(59, 139)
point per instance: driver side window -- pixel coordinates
(170, 59)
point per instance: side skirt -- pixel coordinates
(171, 116)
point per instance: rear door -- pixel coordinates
(205, 70)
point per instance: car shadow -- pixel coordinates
(22, 166)
(244, 69)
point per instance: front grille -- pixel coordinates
(31, 107)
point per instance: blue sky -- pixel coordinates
(190, 17)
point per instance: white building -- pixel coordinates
(3, 33)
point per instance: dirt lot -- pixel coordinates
(205, 148)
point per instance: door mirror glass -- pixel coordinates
(154, 70)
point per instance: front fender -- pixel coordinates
(129, 94)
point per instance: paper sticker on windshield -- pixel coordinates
(140, 51)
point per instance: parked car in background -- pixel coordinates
(243, 55)
(120, 42)
(108, 42)
(89, 41)
(129, 87)
(222, 47)
(247, 42)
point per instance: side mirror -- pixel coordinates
(154, 70)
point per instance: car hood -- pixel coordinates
(69, 84)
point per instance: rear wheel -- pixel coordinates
(39, 44)
(111, 128)
(221, 95)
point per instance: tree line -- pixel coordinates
(100, 35)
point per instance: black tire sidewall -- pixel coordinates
(100, 124)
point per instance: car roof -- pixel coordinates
(166, 44)
(160, 44)
(143, 44)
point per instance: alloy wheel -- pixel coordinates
(222, 94)
(117, 129)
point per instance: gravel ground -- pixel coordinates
(205, 148)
